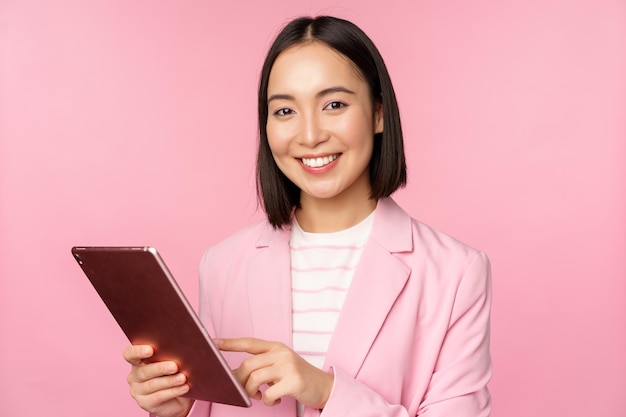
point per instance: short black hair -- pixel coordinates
(278, 195)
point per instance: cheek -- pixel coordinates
(357, 130)
(275, 138)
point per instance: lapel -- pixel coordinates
(269, 298)
(377, 282)
(269, 287)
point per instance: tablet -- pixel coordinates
(147, 303)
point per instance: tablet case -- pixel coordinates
(147, 303)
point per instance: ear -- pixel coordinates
(379, 120)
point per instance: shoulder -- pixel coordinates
(400, 233)
(457, 262)
(246, 243)
(436, 244)
(241, 241)
(452, 269)
(225, 260)
(425, 248)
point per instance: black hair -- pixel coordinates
(278, 195)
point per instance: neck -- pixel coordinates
(334, 214)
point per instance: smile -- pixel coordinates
(319, 162)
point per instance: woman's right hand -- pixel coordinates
(157, 387)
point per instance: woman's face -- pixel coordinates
(321, 122)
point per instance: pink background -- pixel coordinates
(133, 123)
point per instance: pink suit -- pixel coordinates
(412, 337)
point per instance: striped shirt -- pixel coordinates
(322, 267)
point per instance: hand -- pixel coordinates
(157, 387)
(285, 372)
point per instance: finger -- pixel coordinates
(245, 344)
(283, 388)
(154, 400)
(252, 382)
(271, 399)
(135, 354)
(272, 394)
(254, 364)
(150, 371)
(154, 385)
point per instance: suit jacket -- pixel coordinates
(413, 334)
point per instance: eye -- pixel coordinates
(283, 112)
(335, 105)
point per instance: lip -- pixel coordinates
(319, 170)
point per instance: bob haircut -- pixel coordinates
(387, 169)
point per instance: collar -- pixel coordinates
(391, 229)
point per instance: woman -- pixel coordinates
(339, 303)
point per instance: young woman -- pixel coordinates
(340, 303)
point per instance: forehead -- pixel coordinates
(312, 63)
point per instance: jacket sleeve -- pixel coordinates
(203, 408)
(458, 385)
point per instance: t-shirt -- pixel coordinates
(322, 267)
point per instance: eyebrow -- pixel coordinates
(322, 93)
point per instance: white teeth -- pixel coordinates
(319, 162)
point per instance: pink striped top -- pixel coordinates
(322, 267)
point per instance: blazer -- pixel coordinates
(412, 337)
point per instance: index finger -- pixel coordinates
(244, 344)
(135, 354)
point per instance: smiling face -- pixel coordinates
(321, 123)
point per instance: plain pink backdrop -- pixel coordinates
(133, 122)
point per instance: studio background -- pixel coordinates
(134, 123)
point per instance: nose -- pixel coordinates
(312, 131)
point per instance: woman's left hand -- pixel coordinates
(285, 372)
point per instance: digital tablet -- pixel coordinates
(147, 303)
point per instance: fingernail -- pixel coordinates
(146, 351)
(218, 342)
(183, 388)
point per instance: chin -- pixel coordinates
(322, 194)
